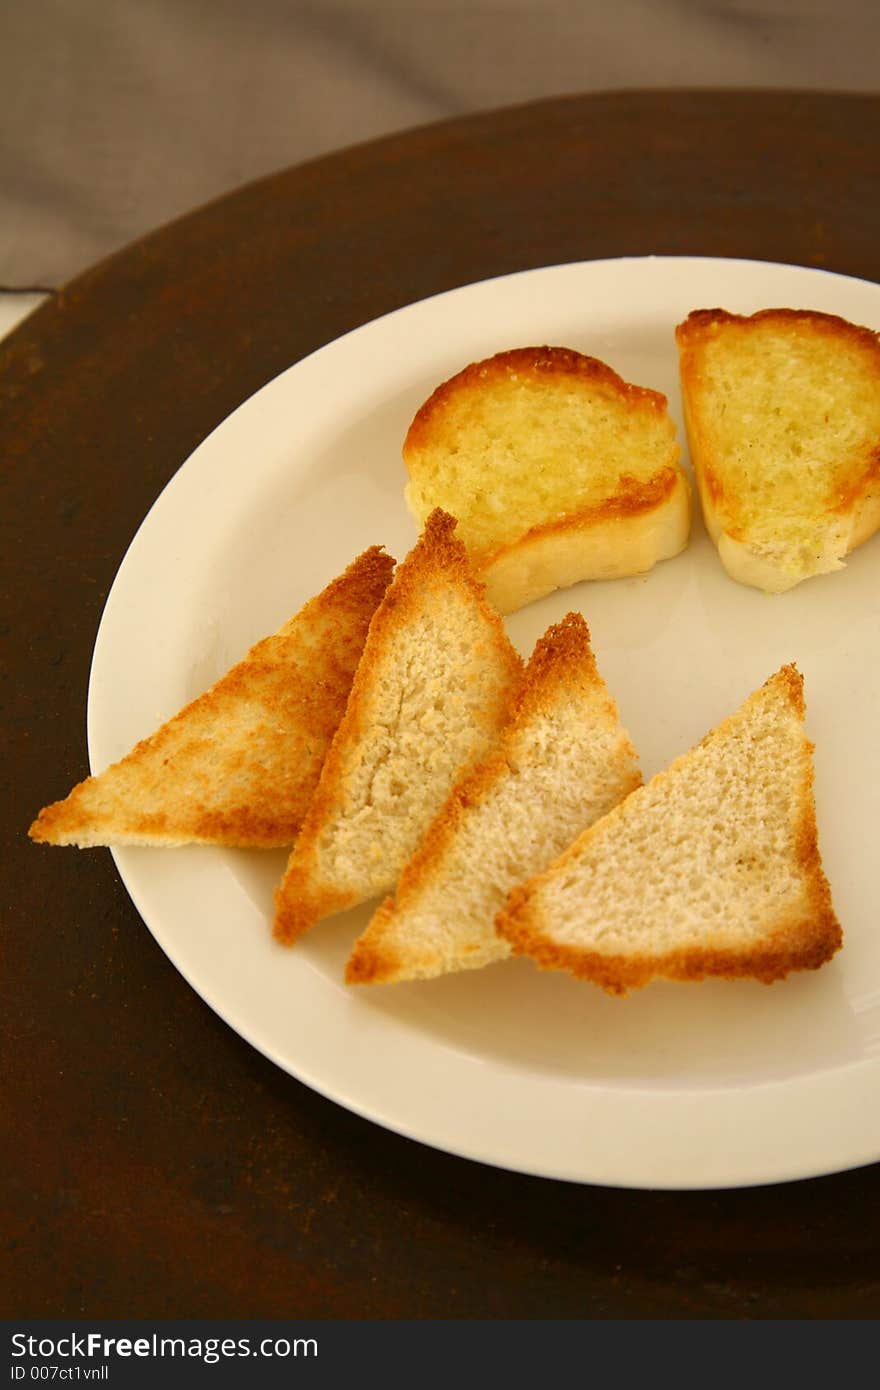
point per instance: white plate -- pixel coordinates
(676, 1086)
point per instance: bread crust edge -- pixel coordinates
(437, 550)
(804, 942)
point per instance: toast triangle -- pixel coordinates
(428, 698)
(711, 869)
(238, 765)
(563, 759)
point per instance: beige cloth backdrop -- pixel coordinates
(118, 115)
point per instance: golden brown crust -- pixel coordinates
(862, 483)
(297, 679)
(438, 553)
(373, 961)
(630, 499)
(528, 362)
(804, 941)
(297, 908)
(299, 900)
(703, 323)
(826, 933)
(789, 679)
(564, 646)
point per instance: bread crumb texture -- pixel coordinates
(562, 760)
(429, 696)
(238, 766)
(711, 869)
(783, 419)
(542, 442)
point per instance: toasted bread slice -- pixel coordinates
(711, 869)
(238, 765)
(557, 469)
(563, 760)
(429, 696)
(783, 419)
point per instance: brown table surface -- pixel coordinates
(156, 1164)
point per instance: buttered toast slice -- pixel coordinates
(430, 694)
(557, 469)
(783, 419)
(563, 760)
(711, 869)
(238, 765)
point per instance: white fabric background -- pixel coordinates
(118, 115)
